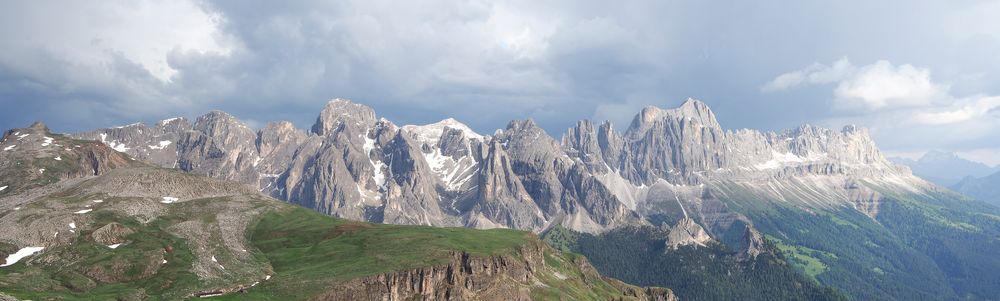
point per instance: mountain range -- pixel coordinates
(354, 165)
(944, 168)
(824, 202)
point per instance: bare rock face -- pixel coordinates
(503, 200)
(686, 232)
(672, 144)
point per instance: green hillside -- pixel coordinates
(291, 253)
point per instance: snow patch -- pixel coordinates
(72, 225)
(779, 160)
(58, 158)
(114, 246)
(98, 201)
(3, 188)
(164, 261)
(41, 170)
(118, 147)
(22, 136)
(168, 200)
(163, 144)
(113, 144)
(217, 262)
(21, 254)
(169, 120)
(127, 125)
(84, 211)
(47, 142)
(379, 176)
(9, 147)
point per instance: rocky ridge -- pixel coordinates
(667, 162)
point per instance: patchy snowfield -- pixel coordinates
(21, 254)
(168, 200)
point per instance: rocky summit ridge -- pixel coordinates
(669, 165)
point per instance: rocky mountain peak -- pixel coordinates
(432, 133)
(696, 109)
(850, 128)
(39, 127)
(218, 121)
(692, 114)
(176, 124)
(171, 121)
(342, 111)
(522, 125)
(524, 140)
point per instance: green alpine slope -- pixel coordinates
(933, 245)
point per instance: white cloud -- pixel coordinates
(92, 33)
(814, 74)
(880, 85)
(908, 113)
(965, 112)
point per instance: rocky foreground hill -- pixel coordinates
(83, 222)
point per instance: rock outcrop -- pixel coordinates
(468, 277)
(687, 233)
(753, 244)
(33, 157)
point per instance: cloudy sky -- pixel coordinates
(922, 75)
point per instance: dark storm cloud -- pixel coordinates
(485, 63)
